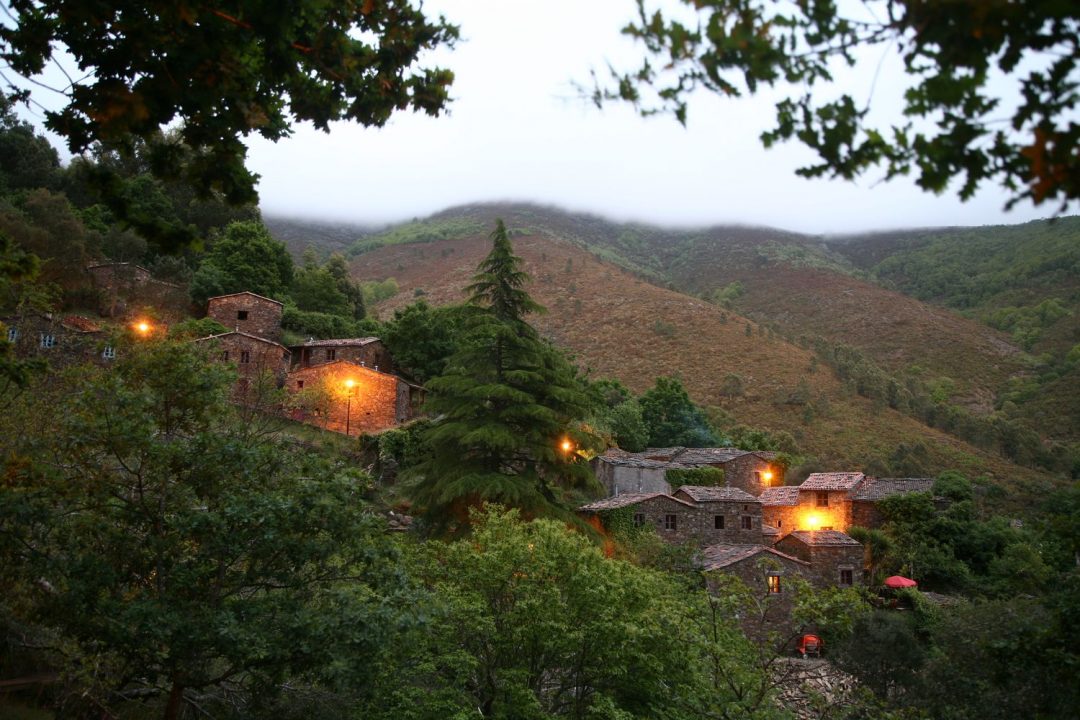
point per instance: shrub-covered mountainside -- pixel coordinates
(974, 372)
(620, 322)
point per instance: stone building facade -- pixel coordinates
(835, 559)
(248, 313)
(260, 363)
(350, 398)
(124, 285)
(60, 340)
(621, 472)
(725, 514)
(368, 352)
(780, 509)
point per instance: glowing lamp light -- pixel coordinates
(814, 522)
(143, 327)
(350, 383)
(567, 446)
(767, 476)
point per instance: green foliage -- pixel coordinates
(504, 404)
(422, 338)
(949, 53)
(727, 295)
(27, 160)
(320, 325)
(707, 476)
(181, 547)
(626, 423)
(375, 291)
(196, 328)
(418, 231)
(315, 290)
(249, 69)
(244, 257)
(672, 418)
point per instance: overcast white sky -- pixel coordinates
(517, 130)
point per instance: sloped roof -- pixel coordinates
(823, 537)
(80, 324)
(243, 334)
(243, 292)
(833, 481)
(338, 342)
(881, 488)
(707, 456)
(780, 495)
(322, 367)
(703, 493)
(718, 557)
(628, 499)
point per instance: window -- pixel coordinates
(639, 519)
(299, 384)
(331, 353)
(747, 522)
(822, 499)
(12, 334)
(109, 353)
(241, 314)
(847, 576)
(779, 523)
(224, 356)
(670, 522)
(48, 340)
(774, 584)
(718, 522)
(245, 356)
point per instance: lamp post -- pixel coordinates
(349, 385)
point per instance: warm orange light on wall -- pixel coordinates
(813, 521)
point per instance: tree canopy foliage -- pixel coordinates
(224, 72)
(505, 404)
(955, 54)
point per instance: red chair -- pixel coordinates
(810, 645)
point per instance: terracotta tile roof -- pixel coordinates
(243, 292)
(701, 493)
(881, 488)
(781, 495)
(628, 499)
(338, 342)
(833, 481)
(824, 537)
(718, 557)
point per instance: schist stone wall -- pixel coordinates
(369, 352)
(620, 479)
(252, 355)
(376, 401)
(248, 313)
(748, 473)
(833, 561)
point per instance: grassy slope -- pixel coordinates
(608, 318)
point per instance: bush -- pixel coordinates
(707, 476)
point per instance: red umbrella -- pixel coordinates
(899, 581)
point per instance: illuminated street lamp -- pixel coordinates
(349, 385)
(566, 445)
(143, 328)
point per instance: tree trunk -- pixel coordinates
(176, 702)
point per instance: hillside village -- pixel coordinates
(749, 515)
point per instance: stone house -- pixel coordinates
(248, 313)
(350, 398)
(58, 339)
(780, 512)
(257, 359)
(366, 352)
(675, 520)
(836, 559)
(864, 502)
(761, 568)
(725, 514)
(123, 283)
(620, 471)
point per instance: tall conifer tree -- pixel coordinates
(506, 403)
